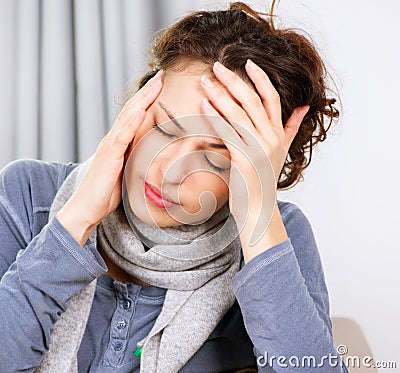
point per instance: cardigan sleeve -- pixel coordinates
(285, 304)
(47, 267)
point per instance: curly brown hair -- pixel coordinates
(290, 59)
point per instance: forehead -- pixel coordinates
(182, 92)
(182, 96)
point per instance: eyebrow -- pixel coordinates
(178, 125)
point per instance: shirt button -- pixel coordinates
(126, 304)
(118, 346)
(121, 324)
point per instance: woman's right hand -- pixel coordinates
(100, 190)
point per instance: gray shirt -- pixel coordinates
(282, 306)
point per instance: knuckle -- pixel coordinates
(218, 94)
(274, 142)
(104, 139)
(234, 78)
(121, 116)
(255, 99)
(244, 118)
(120, 137)
(100, 152)
(279, 144)
(275, 97)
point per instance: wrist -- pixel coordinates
(256, 243)
(77, 227)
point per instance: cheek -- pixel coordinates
(214, 185)
(200, 182)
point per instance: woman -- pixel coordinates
(167, 250)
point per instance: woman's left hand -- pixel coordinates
(254, 135)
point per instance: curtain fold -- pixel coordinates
(56, 80)
(8, 101)
(26, 99)
(90, 75)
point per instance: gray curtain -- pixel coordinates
(64, 66)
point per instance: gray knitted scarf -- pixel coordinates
(195, 263)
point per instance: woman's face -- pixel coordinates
(177, 154)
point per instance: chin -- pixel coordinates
(153, 216)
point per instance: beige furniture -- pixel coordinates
(352, 345)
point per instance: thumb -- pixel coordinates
(293, 124)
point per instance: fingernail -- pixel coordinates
(157, 79)
(207, 82)
(303, 110)
(252, 65)
(158, 75)
(219, 67)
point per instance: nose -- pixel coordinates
(176, 160)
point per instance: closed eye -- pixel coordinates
(208, 162)
(216, 168)
(162, 132)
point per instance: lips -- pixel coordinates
(163, 196)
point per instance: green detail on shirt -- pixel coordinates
(138, 351)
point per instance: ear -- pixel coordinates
(293, 124)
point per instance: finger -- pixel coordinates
(293, 124)
(119, 141)
(148, 85)
(229, 109)
(223, 129)
(125, 128)
(143, 98)
(247, 97)
(269, 95)
(126, 134)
